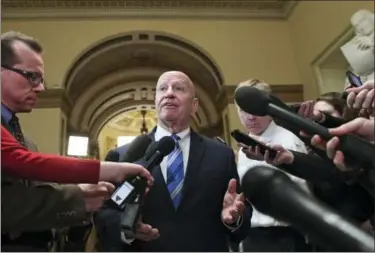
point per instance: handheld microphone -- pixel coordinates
(260, 103)
(112, 156)
(134, 151)
(273, 193)
(154, 156)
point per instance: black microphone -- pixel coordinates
(153, 156)
(260, 103)
(112, 156)
(134, 151)
(272, 192)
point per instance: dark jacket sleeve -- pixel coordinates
(310, 167)
(242, 232)
(41, 207)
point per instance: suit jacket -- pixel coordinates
(196, 225)
(33, 206)
(24, 163)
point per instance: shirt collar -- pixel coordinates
(6, 113)
(161, 132)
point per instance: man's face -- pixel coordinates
(174, 100)
(20, 83)
(254, 124)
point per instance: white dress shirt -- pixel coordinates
(184, 144)
(276, 135)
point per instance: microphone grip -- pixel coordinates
(309, 126)
(358, 151)
(129, 219)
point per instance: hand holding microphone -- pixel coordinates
(130, 221)
(258, 102)
(359, 126)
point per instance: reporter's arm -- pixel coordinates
(18, 161)
(41, 207)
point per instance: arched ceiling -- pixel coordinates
(121, 72)
(132, 121)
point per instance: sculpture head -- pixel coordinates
(363, 22)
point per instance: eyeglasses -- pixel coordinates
(34, 78)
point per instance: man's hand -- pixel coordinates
(96, 194)
(145, 232)
(233, 204)
(283, 156)
(359, 126)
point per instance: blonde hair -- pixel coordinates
(259, 84)
(256, 83)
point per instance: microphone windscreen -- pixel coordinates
(259, 179)
(166, 145)
(112, 156)
(137, 148)
(252, 100)
(151, 150)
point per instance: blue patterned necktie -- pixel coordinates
(175, 173)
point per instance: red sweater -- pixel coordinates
(20, 162)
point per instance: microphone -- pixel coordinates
(153, 156)
(112, 156)
(260, 103)
(134, 151)
(273, 193)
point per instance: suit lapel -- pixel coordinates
(195, 156)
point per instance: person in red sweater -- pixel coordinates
(20, 162)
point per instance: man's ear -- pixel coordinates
(195, 105)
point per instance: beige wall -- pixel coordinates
(241, 48)
(280, 52)
(313, 26)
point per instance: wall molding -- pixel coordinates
(289, 93)
(54, 98)
(177, 9)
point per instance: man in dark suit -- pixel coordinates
(193, 204)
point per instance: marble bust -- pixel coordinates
(359, 51)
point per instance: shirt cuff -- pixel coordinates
(235, 225)
(125, 240)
